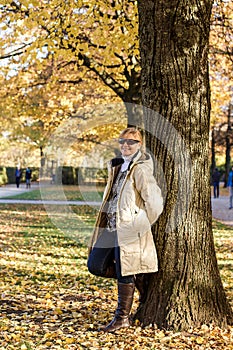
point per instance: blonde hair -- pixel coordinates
(132, 131)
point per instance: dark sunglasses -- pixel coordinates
(129, 142)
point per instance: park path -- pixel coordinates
(220, 206)
(12, 190)
(221, 211)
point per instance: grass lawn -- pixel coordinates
(50, 301)
(70, 193)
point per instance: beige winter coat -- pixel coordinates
(139, 205)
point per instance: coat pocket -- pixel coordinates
(140, 221)
(130, 259)
(131, 226)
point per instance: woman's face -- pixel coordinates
(128, 145)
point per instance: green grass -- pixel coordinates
(224, 253)
(70, 193)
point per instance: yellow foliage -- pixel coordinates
(74, 53)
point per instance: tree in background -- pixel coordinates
(82, 39)
(90, 47)
(221, 77)
(76, 54)
(187, 290)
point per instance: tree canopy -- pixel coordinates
(59, 56)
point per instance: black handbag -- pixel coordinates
(101, 259)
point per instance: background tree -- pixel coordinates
(98, 36)
(187, 290)
(221, 77)
(38, 104)
(229, 142)
(222, 141)
(93, 40)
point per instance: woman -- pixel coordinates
(122, 244)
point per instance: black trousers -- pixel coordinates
(17, 180)
(216, 189)
(106, 252)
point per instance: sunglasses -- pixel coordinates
(129, 142)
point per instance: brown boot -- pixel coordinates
(125, 300)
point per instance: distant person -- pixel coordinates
(18, 175)
(53, 178)
(230, 185)
(28, 177)
(215, 180)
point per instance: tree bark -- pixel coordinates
(213, 160)
(187, 290)
(135, 115)
(42, 161)
(228, 146)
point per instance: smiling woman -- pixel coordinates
(130, 141)
(122, 245)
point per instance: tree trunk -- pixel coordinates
(228, 146)
(187, 290)
(134, 114)
(42, 161)
(213, 161)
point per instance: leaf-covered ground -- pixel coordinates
(50, 301)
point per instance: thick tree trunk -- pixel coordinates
(135, 115)
(187, 290)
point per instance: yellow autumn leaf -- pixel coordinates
(70, 340)
(57, 311)
(160, 334)
(16, 337)
(200, 340)
(48, 343)
(47, 296)
(71, 329)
